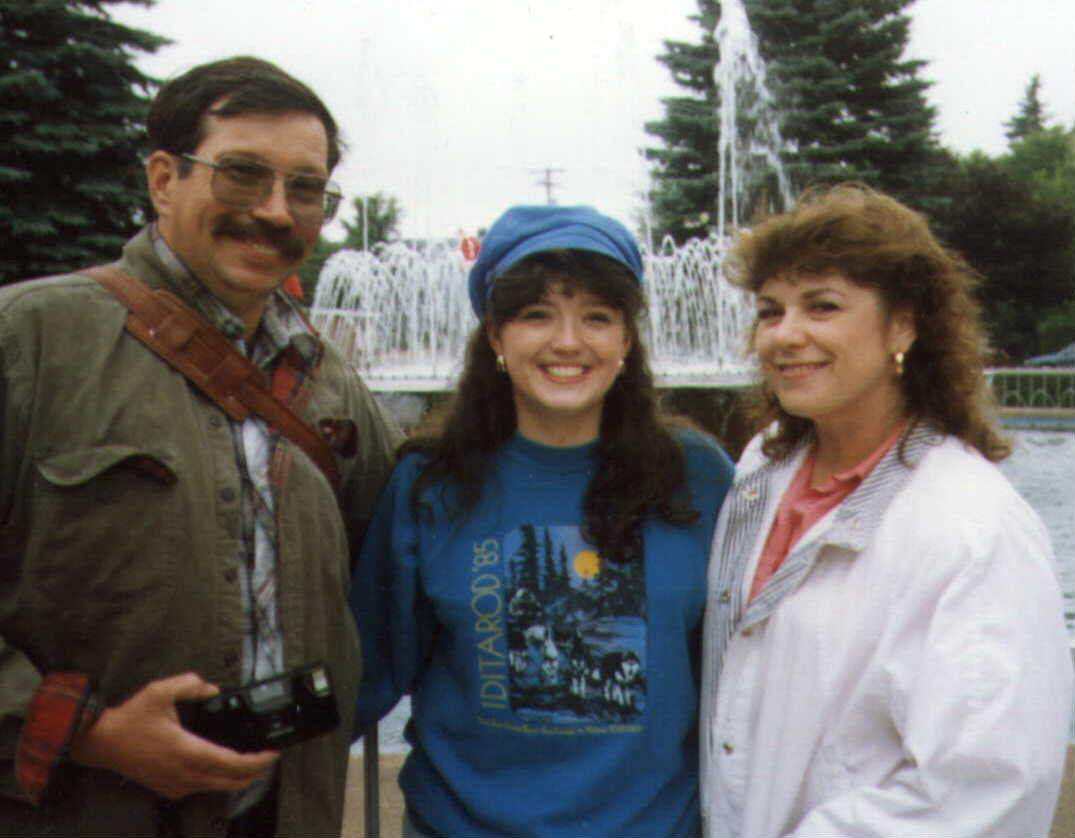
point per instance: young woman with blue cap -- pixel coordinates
(535, 574)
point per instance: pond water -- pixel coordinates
(1042, 468)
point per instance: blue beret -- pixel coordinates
(523, 231)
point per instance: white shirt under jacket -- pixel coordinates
(905, 672)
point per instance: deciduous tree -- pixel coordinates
(375, 220)
(1013, 219)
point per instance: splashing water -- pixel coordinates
(401, 314)
(750, 141)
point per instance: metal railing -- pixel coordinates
(1029, 387)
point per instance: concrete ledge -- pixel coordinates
(1038, 418)
(392, 801)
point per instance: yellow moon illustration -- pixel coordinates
(587, 564)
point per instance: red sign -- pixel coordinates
(470, 246)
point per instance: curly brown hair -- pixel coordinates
(641, 465)
(879, 243)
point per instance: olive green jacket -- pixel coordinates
(107, 568)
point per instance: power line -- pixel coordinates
(547, 181)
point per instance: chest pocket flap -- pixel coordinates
(79, 466)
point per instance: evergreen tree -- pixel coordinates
(72, 108)
(1031, 116)
(684, 167)
(850, 107)
(526, 558)
(549, 568)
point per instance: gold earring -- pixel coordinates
(898, 359)
(620, 368)
(501, 365)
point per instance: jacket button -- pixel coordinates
(728, 748)
(230, 574)
(725, 595)
(215, 421)
(227, 494)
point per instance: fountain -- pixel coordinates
(400, 312)
(750, 142)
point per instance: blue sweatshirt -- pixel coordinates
(553, 693)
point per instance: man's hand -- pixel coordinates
(143, 740)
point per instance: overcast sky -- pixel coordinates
(457, 107)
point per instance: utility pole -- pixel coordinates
(546, 181)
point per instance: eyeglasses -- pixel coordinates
(244, 184)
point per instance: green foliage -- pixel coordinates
(850, 107)
(377, 220)
(382, 225)
(685, 163)
(1057, 328)
(1013, 218)
(1031, 117)
(1045, 161)
(72, 107)
(311, 268)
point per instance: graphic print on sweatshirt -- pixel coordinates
(575, 630)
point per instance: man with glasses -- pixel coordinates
(152, 547)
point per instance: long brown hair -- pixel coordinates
(641, 465)
(878, 243)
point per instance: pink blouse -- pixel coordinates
(803, 506)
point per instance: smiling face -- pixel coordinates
(240, 256)
(825, 345)
(562, 354)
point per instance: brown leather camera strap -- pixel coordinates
(191, 344)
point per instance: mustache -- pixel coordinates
(258, 230)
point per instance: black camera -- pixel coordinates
(266, 715)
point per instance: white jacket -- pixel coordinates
(905, 672)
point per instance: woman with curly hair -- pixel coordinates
(535, 574)
(885, 651)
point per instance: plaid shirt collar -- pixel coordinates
(281, 324)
